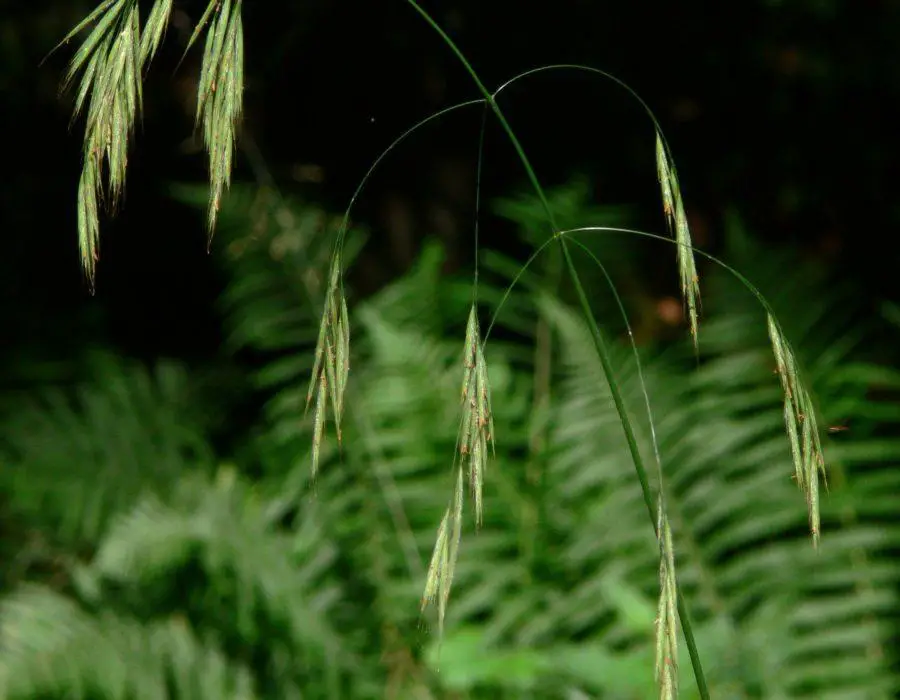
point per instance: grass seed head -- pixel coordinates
(331, 367)
(439, 578)
(476, 426)
(220, 95)
(111, 61)
(676, 218)
(801, 424)
(475, 431)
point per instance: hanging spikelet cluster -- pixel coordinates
(111, 60)
(802, 428)
(666, 619)
(673, 206)
(443, 559)
(220, 93)
(332, 363)
(475, 437)
(477, 421)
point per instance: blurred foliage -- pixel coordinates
(153, 547)
(142, 561)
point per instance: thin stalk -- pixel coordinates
(599, 343)
(496, 109)
(606, 363)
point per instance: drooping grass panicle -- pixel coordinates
(439, 578)
(532, 176)
(802, 426)
(110, 60)
(220, 93)
(476, 437)
(666, 615)
(799, 410)
(676, 218)
(331, 367)
(477, 423)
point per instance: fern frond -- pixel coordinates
(733, 517)
(225, 528)
(75, 457)
(733, 514)
(49, 645)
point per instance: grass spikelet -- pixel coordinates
(439, 579)
(331, 367)
(477, 424)
(801, 424)
(476, 431)
(673, 206)
(111, 60)
(155, 27)
(666, 619)
(220, 94)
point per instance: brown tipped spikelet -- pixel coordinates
(477, 429)
(673, 206)
(475, 435)
(220, 93)
(111, 60)
(666, 615)
(802, 427)
(331, 367)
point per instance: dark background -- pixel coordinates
(785, 112)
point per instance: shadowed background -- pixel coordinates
(784, 111)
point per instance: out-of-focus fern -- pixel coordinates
(52, 647)
(802, 624)
(73, 457)
(740, 527)
(266, 595)
(312, 590)
(267, 605)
